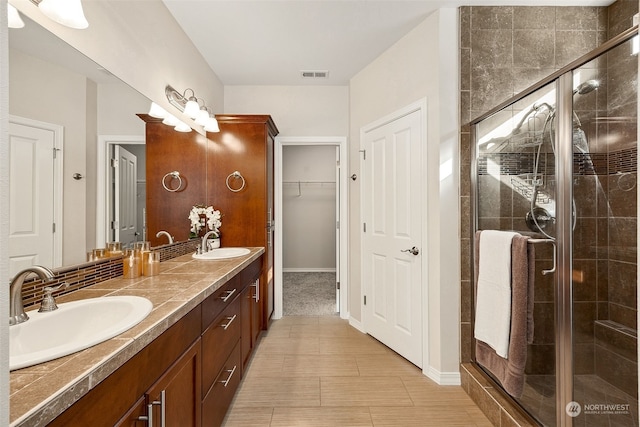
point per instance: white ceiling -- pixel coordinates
(267, 42)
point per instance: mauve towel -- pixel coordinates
(510, 371)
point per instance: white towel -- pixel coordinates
(493, 300)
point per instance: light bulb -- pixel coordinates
(182, 127)
(202, 118)
(14, 17)
(66, 12)
(171, 120)
(157, 111)
(192, 108)
(212, 125)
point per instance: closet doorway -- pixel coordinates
(310, 220)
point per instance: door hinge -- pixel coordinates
(364, 154)
(114, 163)
(338, 225)
(365, 300)
(338, 285)
(364, 227)
(114, 225)
(55, 152)
(53, 228)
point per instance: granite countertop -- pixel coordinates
(40, 393)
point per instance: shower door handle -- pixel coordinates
(553, 266)
(555, 253)
(412, 251)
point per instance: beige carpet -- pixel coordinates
(309, 294)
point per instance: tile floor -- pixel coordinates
(319, 371)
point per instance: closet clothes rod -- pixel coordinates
(300, 183)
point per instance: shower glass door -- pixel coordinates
(516, 191)
(559, 165)
(604, 269)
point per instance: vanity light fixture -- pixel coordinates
(66, 12)
(14, 17)
(190, 105)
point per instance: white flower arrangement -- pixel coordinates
(213, 222)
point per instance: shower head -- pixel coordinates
(586, 87)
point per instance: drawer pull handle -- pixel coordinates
(256, 296)
(229, 293)
(230, 321)
(231, 372)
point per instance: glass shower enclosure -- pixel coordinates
(558, 163)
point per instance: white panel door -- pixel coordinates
(391, 206)
(338, 231)
(125, 196)
(31, 197)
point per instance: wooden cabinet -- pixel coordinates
(207, 167)
(120, 393)
(189, 374)
(245, 144)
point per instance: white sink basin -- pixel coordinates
(74, 326)
(222, 253)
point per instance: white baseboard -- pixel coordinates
(442, 378)
(357, 324)
(308, 270)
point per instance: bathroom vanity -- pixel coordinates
(180, 366)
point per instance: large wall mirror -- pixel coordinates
(67, 117)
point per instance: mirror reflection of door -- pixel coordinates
(125, 218)
(34, 181)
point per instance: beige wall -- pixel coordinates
(308, 210)
(68, 103)
(421, 65)
(296, 110)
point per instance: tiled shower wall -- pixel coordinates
(504, 50)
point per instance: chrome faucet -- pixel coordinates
(205, 247)
(16, 307)
(169, 236)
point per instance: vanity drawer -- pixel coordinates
(217, 401)
(218, 341)
(221, 298)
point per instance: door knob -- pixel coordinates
(412, 251)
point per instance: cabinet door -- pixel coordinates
(175, 398)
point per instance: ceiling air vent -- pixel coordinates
(314, 74)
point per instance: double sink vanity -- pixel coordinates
(188, 335)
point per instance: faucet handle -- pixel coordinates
(48, 303)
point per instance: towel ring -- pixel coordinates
(235, 174)
(174, 175)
